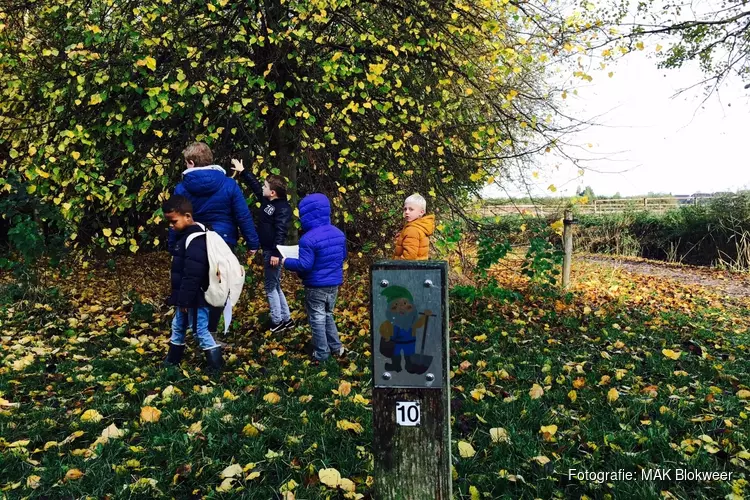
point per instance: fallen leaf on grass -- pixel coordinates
(226, 485)
(547, 431)
(346, 425)
(73, 474)
(541, 459)
(272, 398)
(345, 388)
(250, 430)
(33, 482)
(536, 391)
(150, 414)
(499, 435)
(232, 471)
(91, 416)
(613, 395)
(669, 353)
(330, 477)
(465, 449)
(743, 394)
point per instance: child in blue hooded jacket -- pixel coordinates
(320, 266)
(217, 202)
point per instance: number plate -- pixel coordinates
(408, 413)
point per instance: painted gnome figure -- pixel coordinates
(399, 331)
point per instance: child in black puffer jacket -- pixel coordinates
(189, 281)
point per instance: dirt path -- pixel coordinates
(732, 284)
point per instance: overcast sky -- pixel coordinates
(651, 142)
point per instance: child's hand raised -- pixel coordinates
(237, 165)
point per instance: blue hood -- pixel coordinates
(314, 211)
(204, 181)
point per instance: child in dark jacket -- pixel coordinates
(273, 225)
(189, 281)
(322, 252)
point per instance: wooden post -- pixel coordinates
(567, 247)
(411, 393)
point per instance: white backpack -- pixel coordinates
(226, 276)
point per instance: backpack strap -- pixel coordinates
(192, 236)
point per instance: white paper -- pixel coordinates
(289, 252)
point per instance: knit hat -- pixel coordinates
(397, 292)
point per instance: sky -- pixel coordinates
(648, 141)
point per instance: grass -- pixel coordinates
(612, 332)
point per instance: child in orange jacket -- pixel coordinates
(413, 242)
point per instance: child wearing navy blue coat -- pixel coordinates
(189, 281)
(322, 252)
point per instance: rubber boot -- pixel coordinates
(214, 360)
(394, 365)
(174, 355)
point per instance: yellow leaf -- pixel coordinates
(344, 388)
(536, 391)
(107, 232)
(474, 493)
(743, 394)
(250, 430)
(272, 398)
(346, 425)
(95, 99)
(481, 338)
(112, 432)
(499, 435)
(150, 414)
(572, 395)
(151, 63)
(195, 428)
(541, 459)
(91, 416)
(613, 395)
(347, 485)
(329, 477)
(548, 429)
(226, 485)
(465, 449)
(232, 471)
(552, 188)
(359, 399)
(73, 474)
(669, 353)
(75, 155)
(33, 482)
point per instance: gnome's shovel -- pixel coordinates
(421, 362)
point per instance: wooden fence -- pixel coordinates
(658, 205)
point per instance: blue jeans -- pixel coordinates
(181, 322)
(272, 283)
(319, 303)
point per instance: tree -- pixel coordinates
(716, 35)
(364, 100)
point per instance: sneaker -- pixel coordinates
(278, 327)
(340, 353)
(289, 324)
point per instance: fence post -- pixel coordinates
(567, 247)
(410, 396)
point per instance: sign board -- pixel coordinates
(408, 313)
(411, 393)
(408, 413)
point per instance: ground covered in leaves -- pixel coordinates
(627, 371)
